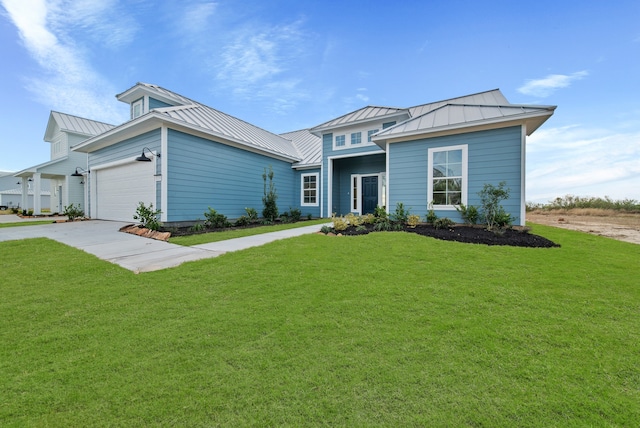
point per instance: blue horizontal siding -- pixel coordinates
(126, 149)
(203, 173)
(493, 156)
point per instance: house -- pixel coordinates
(435, 155)
(11, 191)
(62, 174)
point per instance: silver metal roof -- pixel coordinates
(309, 146)
(492, 97)
(365, 113)
(214, 121)
(461, 115)
(75, 125)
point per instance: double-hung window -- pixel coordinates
(309, 190)
(447, 176)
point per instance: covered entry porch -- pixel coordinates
(356, 184)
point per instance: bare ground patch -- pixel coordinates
(612, 224)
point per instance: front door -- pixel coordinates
(369, 194)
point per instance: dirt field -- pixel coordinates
(616, 225)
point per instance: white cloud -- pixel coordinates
(548, 85)
(69, 82)
(262, 63)
(583, 161)
(197, 17)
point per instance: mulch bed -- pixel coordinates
(517, 236)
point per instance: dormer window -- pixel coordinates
(136, 109)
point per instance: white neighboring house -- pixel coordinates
(66, 171)
(11, 191)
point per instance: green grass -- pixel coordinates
(387, 329)
(25, 223)
(205, 238)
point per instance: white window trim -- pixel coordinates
(335, 142)
(140, 102)
(465, 178)
(302, 177)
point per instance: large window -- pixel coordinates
(309, 191)
(447, 178)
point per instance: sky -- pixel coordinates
(286, 65)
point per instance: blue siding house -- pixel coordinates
(435, 155)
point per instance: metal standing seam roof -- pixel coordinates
(369, 112)
(492, 97)
(459, 114)
(79, 125)
(213, 120)
(309, 146)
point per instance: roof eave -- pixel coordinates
(154, 120)
(532, 121)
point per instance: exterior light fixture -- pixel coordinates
(77, 173)
(143, 158)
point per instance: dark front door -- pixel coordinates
(369, 194)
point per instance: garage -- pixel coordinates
(119, 189)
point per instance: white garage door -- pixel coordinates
(120, 189)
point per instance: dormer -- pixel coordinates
(65, 131)
(144, 97)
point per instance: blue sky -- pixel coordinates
(288, 65)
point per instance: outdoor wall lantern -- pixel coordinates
(78, 173)
(143, 158)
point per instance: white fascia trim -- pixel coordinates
(355, 155)
(307, 166)
(523, 179)
(164, 176)
(119, 162)
(386, 168)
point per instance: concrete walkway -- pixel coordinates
(103, 239)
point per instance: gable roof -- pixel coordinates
(198, 117)
(75, 125)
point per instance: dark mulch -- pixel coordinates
(517, 237)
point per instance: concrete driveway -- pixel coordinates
(103, 239)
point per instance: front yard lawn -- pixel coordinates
(387, 329)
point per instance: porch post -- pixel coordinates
(24, 204)
(37, 200)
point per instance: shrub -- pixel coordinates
(380, 212)
(270, 211)
(443, 223)
(326, 229)
(353, 219)
(72, 212)
(148, 216)
(339, 224)
(400, 215)
(413, 220)
(368, 219)
(469, 214)
(198, 227)
(309, 216)
(215, 220)
(284, 217)
(295, 214)
(493, 212)
(383, 225)
(252, 214)
(243, 220)
(431, 216)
